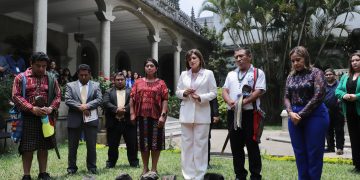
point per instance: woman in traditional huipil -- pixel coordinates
(148, 108)
(308, 115)
(348, 91)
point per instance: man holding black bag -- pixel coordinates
(42, 99)
(241, 91)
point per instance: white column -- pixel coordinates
(40, 25)
(154, 40)
(105, 47)
(176, 65)
(105, 18)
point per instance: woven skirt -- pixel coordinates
(150, 137)
(32, 136)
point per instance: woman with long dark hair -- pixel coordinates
(348, 92)
(148, 108)
(308, 115)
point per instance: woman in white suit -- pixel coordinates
(196, 87)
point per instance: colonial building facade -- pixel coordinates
(109, 35)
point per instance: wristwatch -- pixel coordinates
(163, 114)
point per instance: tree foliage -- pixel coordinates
(271, 28)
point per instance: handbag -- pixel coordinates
(16, 116)
(258, 116)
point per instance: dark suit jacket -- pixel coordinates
(73, 100)
(110, 105)
(214, 108)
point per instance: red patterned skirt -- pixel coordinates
(150, 137)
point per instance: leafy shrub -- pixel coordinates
(5, 93)
(174, 106)
(174, 109)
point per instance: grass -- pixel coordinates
(11, 166)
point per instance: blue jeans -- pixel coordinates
(308, 141)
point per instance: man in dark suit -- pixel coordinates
(214, 109)
(83, 98)
(117, 113)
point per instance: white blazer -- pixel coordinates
(192, 111)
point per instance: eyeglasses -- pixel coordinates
(329, 74)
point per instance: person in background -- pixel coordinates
(136, 76)
(214, 108)
(308, 116)
(129, 80)
(348, 92)
(124, 71)
(148, 108)
(16, 63)
(65, 77)
(4, 67)
(117, 111)
(337, 120)
(196, 88)
(39, 84)
(52, 69)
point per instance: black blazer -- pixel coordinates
(214, 107)
(110, 105)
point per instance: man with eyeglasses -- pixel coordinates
(335, 114)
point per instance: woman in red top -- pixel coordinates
(148, 107)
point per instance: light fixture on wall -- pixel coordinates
(78, 36)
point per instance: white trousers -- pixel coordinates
(194, 150)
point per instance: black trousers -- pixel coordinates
(113, 135)
(353, 121)
(90, 138)
(209, 143)
(336, 130)
(238, 139)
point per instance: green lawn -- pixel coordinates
(11, 167)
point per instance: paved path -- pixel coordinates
(273, 142)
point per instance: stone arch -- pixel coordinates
(122, 61)
(172, 35)
(87, 54)
(133, 9)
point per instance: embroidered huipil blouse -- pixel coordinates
(305, 88)
(148, 97)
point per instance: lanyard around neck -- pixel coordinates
(241, 79)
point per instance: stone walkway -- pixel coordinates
(273, 142)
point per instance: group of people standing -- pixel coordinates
(138, 112)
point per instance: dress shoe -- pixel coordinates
(109, 165)
(44, 176)
(135, 165)
(71, 171)
(26, 177)
(329, 150)
(356, 170)
(92, 171)
(339, 152)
